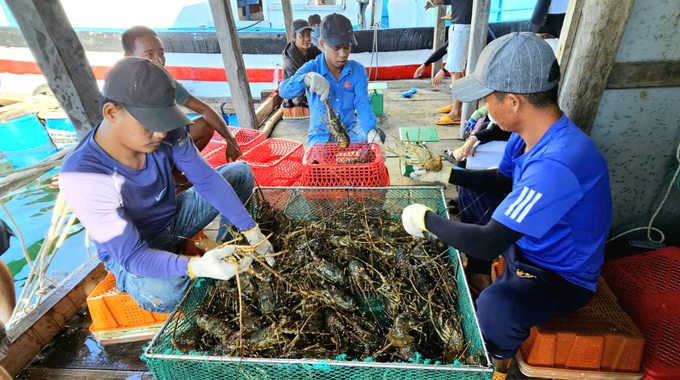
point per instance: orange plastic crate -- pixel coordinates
(275, 162)
(600, 336)
(296, 113)
(113, 310)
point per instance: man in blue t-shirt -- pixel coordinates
(552, 225)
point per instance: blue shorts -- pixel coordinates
(522, 297)
(161, 295)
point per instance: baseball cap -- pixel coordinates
(300, 25)
(314, 19)
(517, 63)
(147, 91)
(337, 30)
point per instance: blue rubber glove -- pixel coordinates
(409, 94)
(470, 124)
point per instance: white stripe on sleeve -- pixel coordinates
(519, 199)
(526, 200)
(528, 208)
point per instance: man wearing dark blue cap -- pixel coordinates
(552, 225)
(335, 79)
(118, 181)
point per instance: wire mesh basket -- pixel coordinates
(167, 363)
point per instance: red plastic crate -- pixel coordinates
(275, 162)
(323, 166)
(246, 139)
(648, 287)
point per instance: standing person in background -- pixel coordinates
(459, 39)
(143, 42)
(436, 56)
(298, 52)
(548, 17)
(315, 22)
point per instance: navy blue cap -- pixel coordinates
(337, 30)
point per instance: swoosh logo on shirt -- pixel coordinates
(158, 198)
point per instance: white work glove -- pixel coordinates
(317, 84)
(421, 175)
(374, 136)
(214, 264)
(255, 237)
(413, 219)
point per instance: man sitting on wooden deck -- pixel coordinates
(334, 79)
(118, 182)
(143, 42)
(298, 52)
(552, 226)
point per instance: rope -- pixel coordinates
(374, 51)
(35, 287)
(649, 227)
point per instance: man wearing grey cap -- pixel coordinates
(298, 52)
(118, 182)
(333, 79)
(553, 223)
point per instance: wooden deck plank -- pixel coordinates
(82, 374)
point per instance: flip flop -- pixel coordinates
(446, 120)
(445, 109)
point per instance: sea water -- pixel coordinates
(31, 208)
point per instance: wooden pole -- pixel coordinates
(481, 9)
(230, 48)
(61, 59)
(594, 49)
(288, 18)
(439, 37)
(568, 32)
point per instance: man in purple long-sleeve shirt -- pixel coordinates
(118, 181)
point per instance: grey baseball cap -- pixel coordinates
(517, 63)
(300, 25)
(337, 30)
(147, 91)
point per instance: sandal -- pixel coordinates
(445, 109)
(446, 120)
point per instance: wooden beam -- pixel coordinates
(61, 58)
(23, 177)
(644, 74)
(596, 43)
(568, 32)
(271, 123)
(439, 37)
(481, 9)
(32, 332)
(287, 18)
(269, 105)
(233, 62)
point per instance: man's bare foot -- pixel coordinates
(454, 115)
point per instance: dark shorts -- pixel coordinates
(522, 297)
